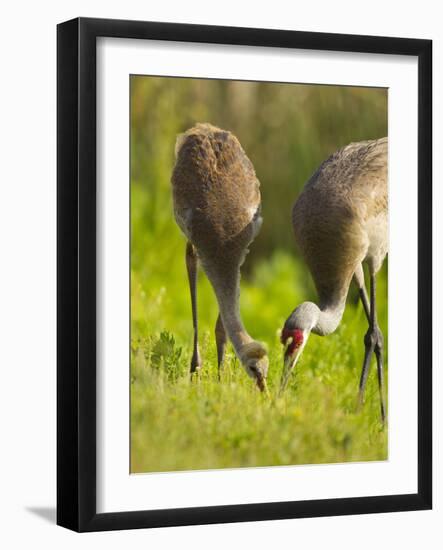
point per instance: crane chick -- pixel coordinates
(217, 206)
(340, 221)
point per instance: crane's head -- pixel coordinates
(255, 361)
(294, 335)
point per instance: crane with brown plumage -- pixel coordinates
(217, 202)
(340, 222)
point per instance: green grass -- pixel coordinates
(179, 424)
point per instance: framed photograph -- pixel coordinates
(244, 274)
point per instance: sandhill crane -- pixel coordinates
(217, 206)
(340, 221)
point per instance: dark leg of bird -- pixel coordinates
(364, 300)
(369, 350)
(191, 266)
(378, 348)
(359, 278)
(379, 356)
(373, 344)
(220, 339)
(369, 339)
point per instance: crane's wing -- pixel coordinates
(215, 189)
(331, 215)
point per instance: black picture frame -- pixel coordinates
(76, 274)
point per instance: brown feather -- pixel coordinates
(215, 190)
(340, 218)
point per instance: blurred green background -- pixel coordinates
(287, 130)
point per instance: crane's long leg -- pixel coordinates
(365, 301)
(220, 339)
(191, 266)
(373, 344)
(369, 350)
(378, 348)
(359, 278)
(380, 376)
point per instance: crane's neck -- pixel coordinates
(330, 314)
(225, 280)
(234, 327)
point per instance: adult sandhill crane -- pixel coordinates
(217, 206)
(340, 221)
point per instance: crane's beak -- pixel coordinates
(288, 365)
(289, 362)
(262, 385)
